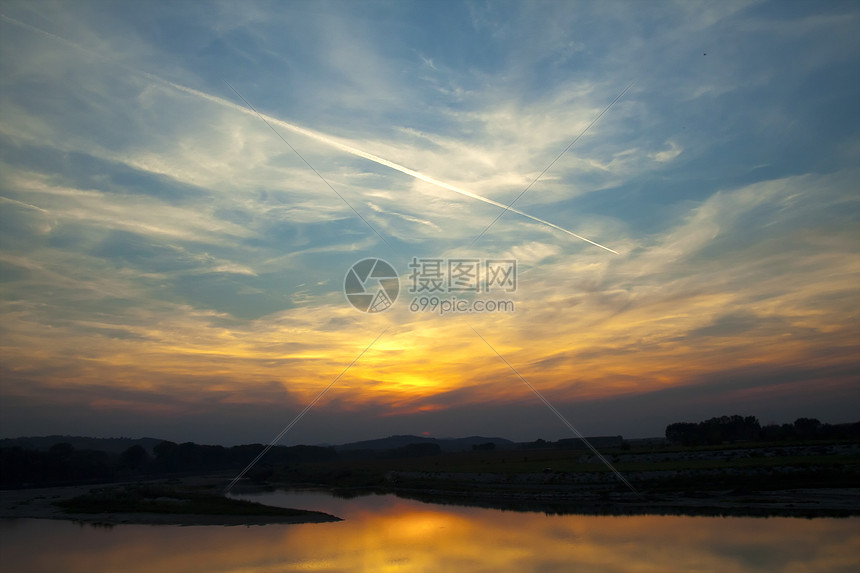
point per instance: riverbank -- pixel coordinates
(804, 503)
(178, 504)
(800, 480)
(787, 480)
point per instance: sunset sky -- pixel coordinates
(170, 267)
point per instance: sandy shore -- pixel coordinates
(39, 504)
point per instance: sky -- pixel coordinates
(184, 187)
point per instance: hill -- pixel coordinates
(109, 445)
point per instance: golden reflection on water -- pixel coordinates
(390, 534)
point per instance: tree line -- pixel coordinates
(728, 429)
(62, 463)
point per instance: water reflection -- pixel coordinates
(386, 533)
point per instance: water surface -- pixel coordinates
(387, 533)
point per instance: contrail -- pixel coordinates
(311, 167)
(509, 206)
(365, 155)
(310, 133)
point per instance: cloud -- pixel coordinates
(668, 155)
(157, 235)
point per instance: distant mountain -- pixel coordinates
(119, 445)
(446, 444)
(110, 445)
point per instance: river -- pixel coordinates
(382, 533)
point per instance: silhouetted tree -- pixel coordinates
(165, 456)
(485, 447)
(134, 458)
(807, 428)
(686, 433)
(714, 430)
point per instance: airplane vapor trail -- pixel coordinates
(310, 133)
(366, 155)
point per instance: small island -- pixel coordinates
(158, 503)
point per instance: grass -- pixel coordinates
(572, 462)
(165, 499)
(731, 465)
